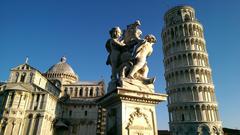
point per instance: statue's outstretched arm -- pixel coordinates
(119, 43)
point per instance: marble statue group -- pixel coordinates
(128, 53)
(130, 100)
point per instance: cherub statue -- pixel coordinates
(132, 32)
(139, 70)
(114, 46)
(128, 54)
(132, 35)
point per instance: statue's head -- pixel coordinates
(115, 32)
(150, 38)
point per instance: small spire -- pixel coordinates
(63, 59)
(26, 60)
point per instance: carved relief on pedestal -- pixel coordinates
(139, 123)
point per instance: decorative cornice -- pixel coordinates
(120, 94)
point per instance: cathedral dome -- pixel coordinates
(62, 70)
(61, 67)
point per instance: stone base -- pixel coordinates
(133, 84)
(131, 112)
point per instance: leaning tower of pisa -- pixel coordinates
(192, 104)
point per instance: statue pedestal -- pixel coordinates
(131, 112)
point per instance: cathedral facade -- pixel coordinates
(51, 103)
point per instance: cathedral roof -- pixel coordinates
(62, 67)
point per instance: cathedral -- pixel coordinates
(51, 103)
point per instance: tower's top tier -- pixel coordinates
(179, 14)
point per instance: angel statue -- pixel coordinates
(120, 47)
(132, 35)
(128, 54)
(139, 70)
(114, 47)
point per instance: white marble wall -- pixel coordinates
(188, 74)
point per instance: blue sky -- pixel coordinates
(48, 29)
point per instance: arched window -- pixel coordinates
(190, 59)
(185, 30)
(20, 99)
(35, 130)
(57, 83)
(198, 110)
(31, 77)
(76, 92)
(172, 34)
(23, 76)
(91, 92)
(28, 124)
(17, 75)
(11, 97)
(187, 17)
(176, 31)
(42, 101)
(85, 113)
(36, 103)
(81, 92)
